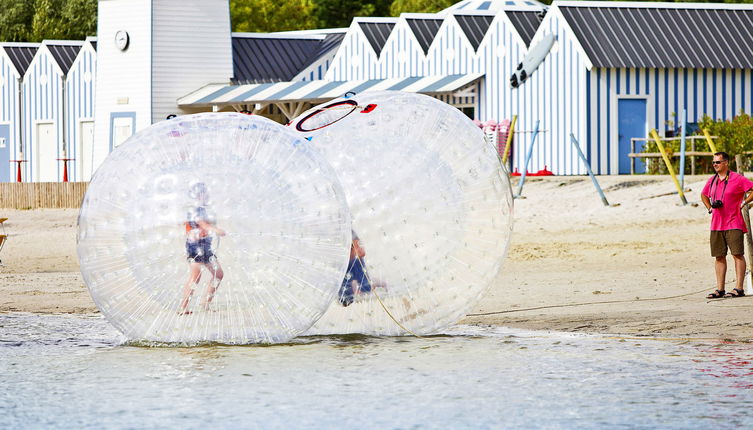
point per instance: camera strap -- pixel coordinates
(716, 181)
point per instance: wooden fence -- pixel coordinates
(35, 195)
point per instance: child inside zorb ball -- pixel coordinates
(429, 201)
(200, 226)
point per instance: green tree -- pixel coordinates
(15, 20)
(47, 22)
(340, 13)
(419, 6)
(80, 18)
(270, 15)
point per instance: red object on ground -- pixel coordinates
(544, 172)
(65, 167)
(515, 173)
(18, 168)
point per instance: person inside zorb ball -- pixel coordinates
(214, 227)
(431, 208)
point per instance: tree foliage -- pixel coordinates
(419, 6)
(270, 15)
(340, 13)
(35, 20)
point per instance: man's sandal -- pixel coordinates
(717, 294)
(736, 292)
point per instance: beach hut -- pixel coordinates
(14, 60)
(45, 145)
(621, 68)
(79, 111)
(483, 41)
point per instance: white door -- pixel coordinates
(86, 157)
(122, 130)
(45, 153)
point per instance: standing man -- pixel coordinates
(723, 197)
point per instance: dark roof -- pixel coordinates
(272, 59)
(94, 44)
(425, 30)
(64, 55)
(474, 27)
(526, 23)
(377, 33)
(21, 56)
(689, 38)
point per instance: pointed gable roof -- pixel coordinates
(425, 30)
(21, 55)
(64, 53)
(377, 33)
(526, 23)
(474, 27)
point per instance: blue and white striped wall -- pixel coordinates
(80, 112)
(571, 96)
(497, 56)
(9, 118)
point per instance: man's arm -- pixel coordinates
(706, 202)
(747, 199)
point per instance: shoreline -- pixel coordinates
(638, 268)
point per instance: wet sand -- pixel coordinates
(641, 268)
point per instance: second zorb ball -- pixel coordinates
(213, 227)
(431, 210)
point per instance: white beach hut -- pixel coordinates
(79, 111)
(14, 60)
(44, 110)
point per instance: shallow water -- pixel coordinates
(76, 372)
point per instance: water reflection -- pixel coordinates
(63, 372)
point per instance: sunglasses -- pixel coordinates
(717, 162)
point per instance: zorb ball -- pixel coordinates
(431, 210)
(213, 227)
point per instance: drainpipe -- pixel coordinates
(65, 128)
(20, 122)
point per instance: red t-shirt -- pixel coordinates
(731, 193)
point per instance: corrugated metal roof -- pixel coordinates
(526, 23)
(21, 56)
(377, 33)
(664, 37)
(425, 30)
(222, 95)
(258, 59)
(474, 27)
(64, 55)
(494, 5)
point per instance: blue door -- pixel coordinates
(5, 144)
(632, 123)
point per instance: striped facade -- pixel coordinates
(451, 52)
(43, 111)
(573, 96)
(80, 112)
(9, 117)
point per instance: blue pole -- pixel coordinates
(528, 160)
(588, 167)
(682, 148)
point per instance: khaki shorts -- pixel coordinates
(721, 240)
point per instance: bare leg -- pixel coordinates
(739, 270)
(721, 271)
(194, 277)
(217, 274)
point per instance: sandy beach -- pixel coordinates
(640, 267)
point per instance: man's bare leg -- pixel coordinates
(739, 270)
(721, 271)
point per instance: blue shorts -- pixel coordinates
(200, 251)
(357, 272)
